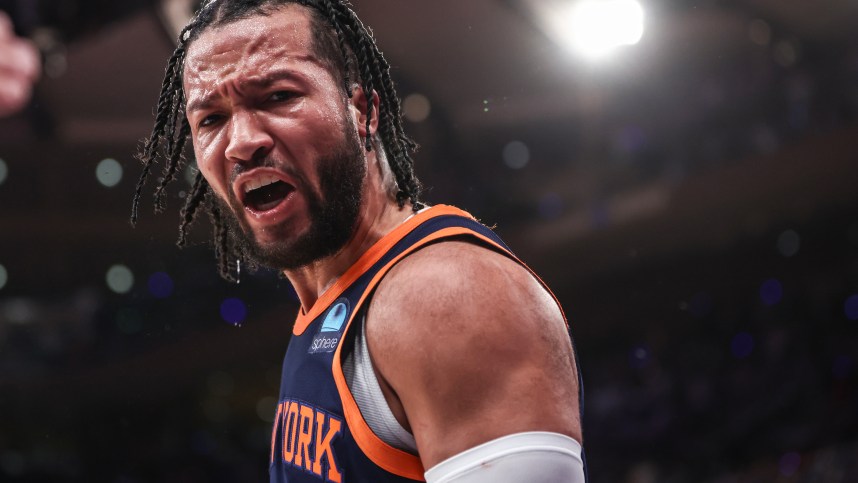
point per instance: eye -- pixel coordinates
(280, 96)
(210, 120)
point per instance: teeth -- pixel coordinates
(259, 182)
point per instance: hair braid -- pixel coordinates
(394, 107)
(196, 197)
(390, 114)
(166, 101)
(368, 86)
(222, 245)
(399, 145)
(347, 59)
(388, 131)
(403, 164)
(365, 52)
(175, 148)
(402, 146)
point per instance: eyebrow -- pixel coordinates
(257, 82)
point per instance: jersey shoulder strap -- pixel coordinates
(424, 227)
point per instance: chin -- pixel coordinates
(277, 238)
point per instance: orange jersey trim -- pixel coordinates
(387, 457)
(367, 260)
(391, 459)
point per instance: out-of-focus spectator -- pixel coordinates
(19, 68)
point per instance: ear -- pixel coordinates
(358, 106)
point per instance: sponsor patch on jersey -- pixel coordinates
(330, 333)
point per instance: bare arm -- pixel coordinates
(469, 347)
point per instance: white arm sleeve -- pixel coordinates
(534, 457)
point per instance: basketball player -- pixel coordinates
(19, 68)
(423, 350)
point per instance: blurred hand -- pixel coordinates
(19, 68)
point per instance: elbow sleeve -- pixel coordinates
(535, 457)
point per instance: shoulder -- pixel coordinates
(463, 279)
(462, 333)
(458, 292)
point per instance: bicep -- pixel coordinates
(473, 350)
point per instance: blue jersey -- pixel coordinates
(319, 434)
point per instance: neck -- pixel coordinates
(379, 215)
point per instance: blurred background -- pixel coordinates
(690, 196)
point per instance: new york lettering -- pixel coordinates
(305, 435)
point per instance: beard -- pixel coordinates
(333, 212)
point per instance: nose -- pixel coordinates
(248, 139)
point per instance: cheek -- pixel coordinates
(214, 178)
(314, 133)
(214, 183)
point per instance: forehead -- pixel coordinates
(251, 43)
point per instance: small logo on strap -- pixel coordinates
(330, 333)
(336, 317)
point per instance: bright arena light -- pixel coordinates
(596, 27)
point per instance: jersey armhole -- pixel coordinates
(391, 459)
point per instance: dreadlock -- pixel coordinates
(341, 39)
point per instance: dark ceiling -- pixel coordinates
(698, 94)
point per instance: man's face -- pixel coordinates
(275, 137)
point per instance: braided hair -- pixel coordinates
(341, 39)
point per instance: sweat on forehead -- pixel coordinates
(325, 44)
(251, 55)
(257, 40)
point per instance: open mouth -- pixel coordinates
(264, 194)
